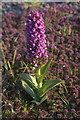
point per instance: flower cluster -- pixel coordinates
(13, 36)
(63, 44)
(36, 43)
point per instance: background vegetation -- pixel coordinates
(63, 43)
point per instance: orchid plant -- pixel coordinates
(36, 50)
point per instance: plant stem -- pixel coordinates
(40, 84)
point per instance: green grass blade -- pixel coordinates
(14, 57)
(4, 45)
(10, 69)
(65, 88)
(5, 63)
(25, 67)
(16, 38)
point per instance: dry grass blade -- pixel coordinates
(14, 57)
(5, 63)
(10, 69)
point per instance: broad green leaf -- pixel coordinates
(29, 77)
(41, 100)
(33, 80)
(48, 85)
(28, 89)
(29, 83)
(34, 101)
(43, 70)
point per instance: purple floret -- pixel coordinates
(36, 43)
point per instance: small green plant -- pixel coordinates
(33, 84)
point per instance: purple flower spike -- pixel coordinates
(36, 43)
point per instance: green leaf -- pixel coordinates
(43, 70)
(29, 83)
(28, 89)
(41, 100)
(48, 85)
(29, 77)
